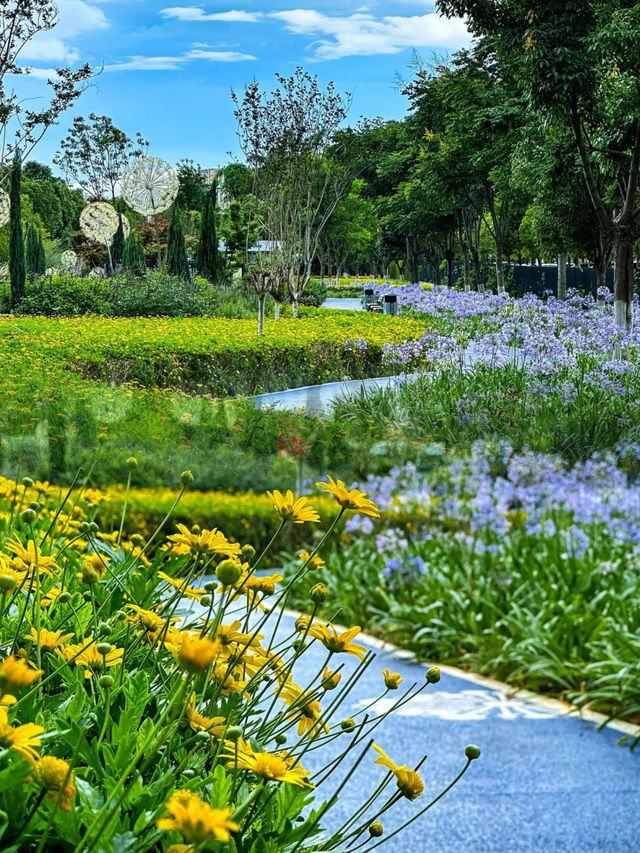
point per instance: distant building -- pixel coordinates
(216, 173)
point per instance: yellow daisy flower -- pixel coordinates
(55, 775)
(289, 509)
(25, 740)
(16, 673)
(392, 680)
(187, 591)
(205, 542)
(31, 556)
(194, 653)
(408, 781)
(86, 654)
(274, 767)
(215, 726)
(48, 640)
(196, 820)
(315, 562)
(305, 709)
(338, 643)
(352, 499)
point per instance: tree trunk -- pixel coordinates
(260, 313)
(623, 278)
(562, 276)
(477, 271)
(499, 266)
(295, 308)
(466, 267)
(276, 311)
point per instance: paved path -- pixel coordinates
(343, 303)
(545, 783)
(318, 398)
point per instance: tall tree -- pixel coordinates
(207, 256)
(286, 137)
(17, 267)
(95, 153)
(22, 127)
(34, 254)
(117, 244)
(177, 263)
(579, 61)
(133, 257)
(193, 185)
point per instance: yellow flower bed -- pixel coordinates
(50, 364)
(149, 702)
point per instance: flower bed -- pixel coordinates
(511, 564)
(142, 707)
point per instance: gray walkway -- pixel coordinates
(545, 783)
(343, 303)
(318, 398)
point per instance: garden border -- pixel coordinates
(561, 708)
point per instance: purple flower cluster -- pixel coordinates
(493, 492)
(545, 336)
(353, 346)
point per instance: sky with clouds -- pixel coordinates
(167, 70)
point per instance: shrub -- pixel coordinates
(314, 294)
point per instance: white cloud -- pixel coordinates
(220, 55)
(173, 63)
(147, 63)
(195, 13)
(76, 17)
(362, 34)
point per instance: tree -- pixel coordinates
(95, 153)
(207, 256)
(579, 62)
(177, 263)
(34, 255)
(473, 116)
(351, 230)
(117, 244)
(21, 128)
(17, 269)
(193, 185)
(286, 137)
(133, 256)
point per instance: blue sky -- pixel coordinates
(168, 69)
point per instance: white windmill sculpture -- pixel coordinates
(150, 185)
(99, 221)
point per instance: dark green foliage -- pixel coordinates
(17, 265)
(314, 293)
(193, 185)
(133, 257)
(177, 263)
(35, 259)
(117, 245)
(207, 257)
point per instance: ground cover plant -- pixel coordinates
(149, 701)
(68, 381)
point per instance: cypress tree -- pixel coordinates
(177, 263)
(133, 257)
(207, 257)
(17, 266)
(34, 256)
(117, 244)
